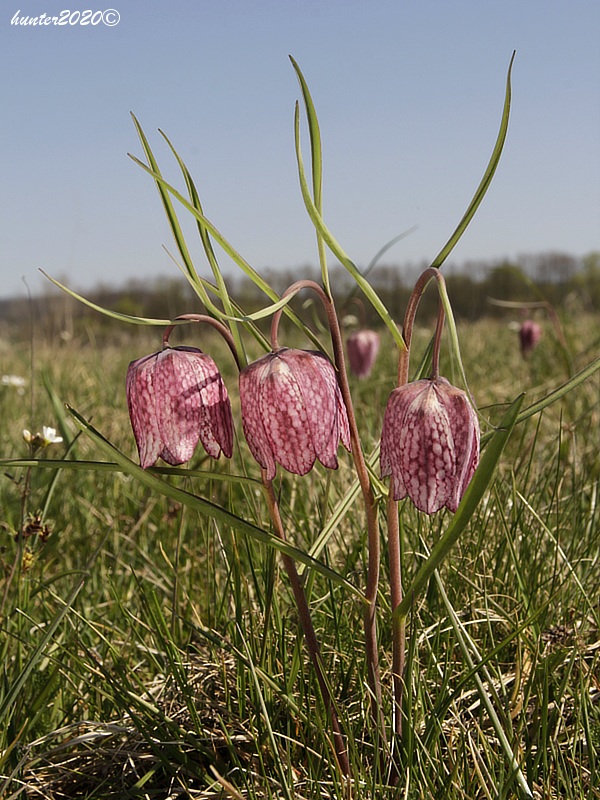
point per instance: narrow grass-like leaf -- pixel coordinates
(110, 466)
(592, 602)
(487, 176)
(479, 483)
(170, 212)
(266, 311)
(374, 261)
(275, 751)
(337, 249)
(553, 397)
(342, 507)
(205, 507)
(48, 633)
(316, 158)
(106, 311)
(208, 249)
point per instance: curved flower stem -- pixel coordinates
(409, 319)
(307, 627)
(222, 329)
(374, 558)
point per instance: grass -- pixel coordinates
(150, 651)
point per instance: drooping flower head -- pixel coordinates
(175, 398)
(429, 444)
(530, 334)
(362, 347)
(292, 411)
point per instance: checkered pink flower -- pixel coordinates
(362, 347)
(429, 444)
(292, 411)
(175, 398)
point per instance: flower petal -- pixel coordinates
(362, 347)
(213, 409)
(142, 409)
(292, 411)
(254, 430)
(285, 417)
(427, 452)
(177, 405)
(393, 421)
(429, 444)
(321, 398)
(465, 433)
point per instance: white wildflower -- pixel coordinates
(46, 437)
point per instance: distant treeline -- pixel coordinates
(562, 280)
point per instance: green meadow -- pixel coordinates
(149, 649)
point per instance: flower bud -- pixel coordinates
(293, 411)
(429, 444)
(175, 398)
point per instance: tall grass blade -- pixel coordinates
(49, 631)
(487, 176)
(316, 158)
(469, 653)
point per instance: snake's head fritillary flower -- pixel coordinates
(429, 444)
(530, 334)
(175, 398)
(292, 411)
(362, 347)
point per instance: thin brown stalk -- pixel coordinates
(310, 636)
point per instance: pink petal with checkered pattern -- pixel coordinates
(292, 412)
(429, 444)
(175, 398)
(142, 409)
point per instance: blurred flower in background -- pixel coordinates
(530, 334)
(362, 347)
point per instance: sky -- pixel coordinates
(409, 96)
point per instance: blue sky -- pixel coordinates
(409, 95)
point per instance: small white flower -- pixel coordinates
(46, 437)
(49, 436)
